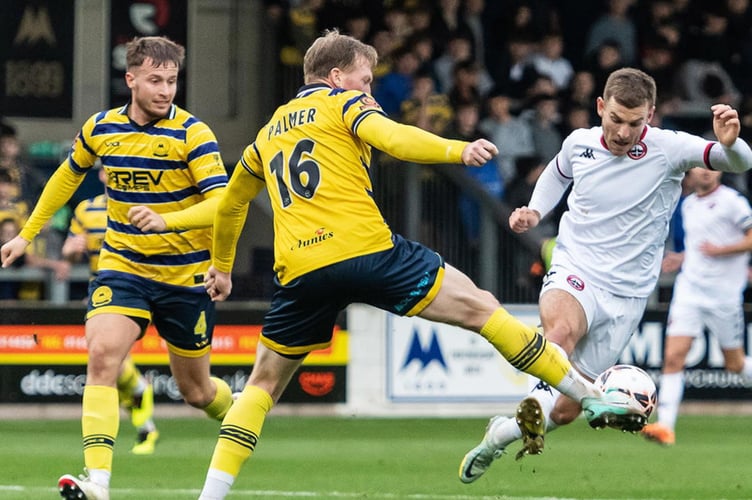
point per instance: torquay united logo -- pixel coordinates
(101, 296)
(638, 151)
(160, 148)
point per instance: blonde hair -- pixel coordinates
(334, 50)
(630, 87)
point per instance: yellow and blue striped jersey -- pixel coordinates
(90, 220)
(317, 175)
(168, 165)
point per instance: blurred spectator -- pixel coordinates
(512, 135)
(458, 49)
(29, 180)
(528, 269)
(540, 84)
(707, 38)
(701, 84)
(544, 119)
(9, 229)
(385, 46)
(427, 108)
(520, 71)
(34, 258)
(302, 27)
(549, 61)
(519, 191)
(581, 93)
(617, 26)
(661, 21)
(358, 25)
(422, 47)
(472, 17)
(575, 18)
(395, 87)
(447, 23)
(335, 13)
(11, 206)
(397, 23)
(470, 83)
(575, 117)
(419, 18)
(465, 126)
(659, 61)
(739, 30)
(604, 61)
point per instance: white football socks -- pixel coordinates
(670, 395)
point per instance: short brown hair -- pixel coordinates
(159, 49)
(334, 50)
(630, 87)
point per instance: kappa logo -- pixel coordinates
(638, 151)
(548, 278)
(542, 386)
(588, 153)
(424, 356)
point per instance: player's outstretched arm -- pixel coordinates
(233, 209)
(411, 144)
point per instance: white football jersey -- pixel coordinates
(722, 218)
(619, 208)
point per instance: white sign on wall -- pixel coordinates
(433, 362)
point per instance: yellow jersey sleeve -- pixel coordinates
(408, 143)
(56, 193)
(229, 220)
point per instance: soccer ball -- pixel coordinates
(632, 381)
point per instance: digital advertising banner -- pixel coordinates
(47, 363)
(130, 18)
(431, 362)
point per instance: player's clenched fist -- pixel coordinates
(523, 218)
(478, 152)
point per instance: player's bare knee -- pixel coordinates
(563, 416)
(197, 397)
(734, 365)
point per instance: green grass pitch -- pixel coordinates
(341, 458)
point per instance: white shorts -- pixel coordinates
(611, 319)
(688, 317)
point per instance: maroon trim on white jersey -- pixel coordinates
(558, 169)
(706, 155)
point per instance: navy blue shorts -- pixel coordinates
(403, 280)
(184, 318)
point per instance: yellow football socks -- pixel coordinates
(99, 425)
(127, 381)
(222, 402)
(240, 430)
(526, 349)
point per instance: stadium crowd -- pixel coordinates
(522, 73)
(531, 69)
